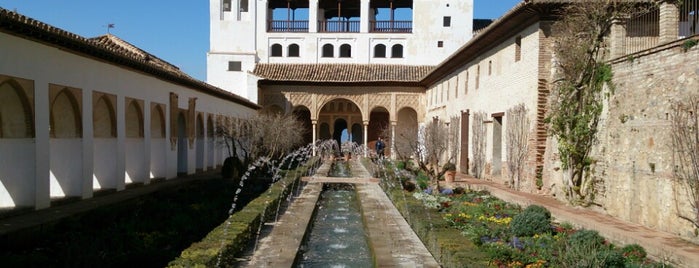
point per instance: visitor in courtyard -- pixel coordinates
(379, 148)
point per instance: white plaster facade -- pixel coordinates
(94, 125)
(244, 37)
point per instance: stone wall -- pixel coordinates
(634, 152)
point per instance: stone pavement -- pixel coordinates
(662, 246)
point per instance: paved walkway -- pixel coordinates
(660, 245)
(393, 241)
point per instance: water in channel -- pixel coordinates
(337, 237)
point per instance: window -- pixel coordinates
(328, 51)
(234, 66)
(293, 50)
(478, 76)
(243, 5)
(380, 51)
(440, 43)
(276, 50)
(466, 84)
(490, 67)
(518, 48)
(226, 5)
(345, 51)
(397, 51)
(447, 21)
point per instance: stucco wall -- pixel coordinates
(55, 167)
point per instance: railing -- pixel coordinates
(287, 26)
(642, 31)
(387, 26)
(338, 26)
(689, 18)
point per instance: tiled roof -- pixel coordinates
(341, 73)
(110, 49)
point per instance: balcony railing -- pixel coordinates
(338, 26)
(387, 26)
(287, 26)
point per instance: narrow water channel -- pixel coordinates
(337, 237)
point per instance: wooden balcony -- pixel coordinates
(387, 26)
(338, 26)
(296, 26)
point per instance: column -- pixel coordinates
(366, 134)
(313, 18)
(364, 16)
(393, 140)
(618, 38)
(147, 138)
(315, 123)
(669, 22)
(121, 142)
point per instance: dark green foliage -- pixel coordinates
(586, 239)
(611, 258)
(634, 253)
(533, 220)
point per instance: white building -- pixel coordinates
(80, 115)
(411, 32)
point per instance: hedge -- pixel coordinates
(231, 238)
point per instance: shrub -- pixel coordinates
(634, 253)
(611, 258)
(586, 239)
(533, 220)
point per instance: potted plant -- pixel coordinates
(450, 172)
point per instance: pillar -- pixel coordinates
(618, 38)
(88, 139)
(669, 22)
(313, 17)
(315, 123)
(393, 140)
(121, 142)
(364, 16)
(366, 136)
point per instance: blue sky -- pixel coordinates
(176, 31)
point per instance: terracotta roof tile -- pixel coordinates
(349, 73)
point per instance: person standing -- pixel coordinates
(380, 147)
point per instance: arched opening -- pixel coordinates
(380, 51)
(357, 134)
(104, 144)
(65, 116)
(200, 142)
(293, 50)
(134, 120)
(181, 144)
(345, 51)
(304, 115)
(379, 126)
(340, 133)
(158, 152)
(339, 115)
(211, 142)
(276, 50)
(16, 116)
(324, 131)
(328, 51)
(405, 132)
(397, 51)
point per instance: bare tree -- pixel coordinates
(479, 144)
(517, 142)
(430, 147)
(685, 145)
(263, 135)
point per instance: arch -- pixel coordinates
(339, 128)
(345, 51)
(157, 122)
(65, 118)
(182, 143)
(328, 51)
(303, 114)
(104, 118)
(380, 51)
(357, 133)
(276, 50)
(134, 120)
(397, 51)
(210, 127)
(16, 115)
(379, 119)
(293, 51)
(324, 106)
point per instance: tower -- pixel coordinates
(401, 32)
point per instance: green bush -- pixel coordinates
(586, 239)
(611, 258)
(634, 253)
(533, 220)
